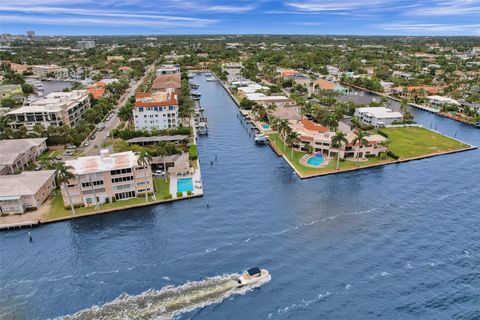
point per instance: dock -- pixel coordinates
(20, 225)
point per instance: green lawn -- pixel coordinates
(57, 210)
(409, 142)
(331, 167)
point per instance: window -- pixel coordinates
(122, 179)
(125, 195)
(121, 171)
(140, 109)
(95, 183)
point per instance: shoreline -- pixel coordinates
(314, 175)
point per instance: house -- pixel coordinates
(125, 69)
(25, 191)
(440, 101)
(288, 72)
(330, 85)
(156, 111)
(287, 113)
(265, 100)
(176, 164)
(167, 82)
(168, 69)
(11, 91)
(106, 178)
(412, 91)
(16, 67)
(16, 154)
(115, 58)
(97, 90)
(85, 44)
(55, 109)
(378, 116)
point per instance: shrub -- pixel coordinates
(189, 192)
(393, 155)
(179, 194)
(380, 132)
(167, 196)
(192, 151)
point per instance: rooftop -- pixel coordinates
(103, 162)
(10, 150)
(157, 99)
(23, 184)
(380, 112)
(54, 102)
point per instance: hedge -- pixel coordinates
(179, 194)
(380, 132)
(192, 151)
(392, 155)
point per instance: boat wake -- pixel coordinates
(169, 301)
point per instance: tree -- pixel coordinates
(283, 129)
(144, 160)
(62, 176)
(293, 138)
(338, 141)
(163, 151)
(360, 139)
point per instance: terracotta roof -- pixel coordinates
(305, 138)
(429, 89)
(96, 92)
(287, 73)
(325, 84)
(166, 81)
(312, 126)
(152, 103)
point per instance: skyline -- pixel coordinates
(134, 17)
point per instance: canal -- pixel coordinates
(394, 242)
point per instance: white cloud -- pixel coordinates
(430, 27)
(450, 8)
(333, 5)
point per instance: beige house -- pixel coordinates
(106, 178)
(16, 154)
(25, 191)
(43, 71)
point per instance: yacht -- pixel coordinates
(211, 78)
(196, 94)
(261, 138)
(252, 276)
(202, 128)
(190, 76)
(194, 85)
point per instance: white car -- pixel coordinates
(159, 173)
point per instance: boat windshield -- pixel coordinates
(253, 271)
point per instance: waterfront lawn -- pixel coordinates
(410, 142)
(58, 211)
(331, 167)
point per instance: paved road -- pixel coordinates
(101, 136)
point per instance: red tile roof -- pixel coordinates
(325, 84)
(312, 126)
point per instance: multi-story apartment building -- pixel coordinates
(55, 109)
(106, 178)
(378, 116)
(86, 44)
(168, 69)
(17, 154)
(45, 71)
(155, 111)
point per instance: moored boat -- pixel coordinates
(261, 138)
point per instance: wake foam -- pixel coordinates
(169, 301)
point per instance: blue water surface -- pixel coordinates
(394, 242)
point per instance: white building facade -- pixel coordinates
(157, 111)
(378, 116)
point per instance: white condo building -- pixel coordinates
(168, 69)
(55, 109)
(156, 111)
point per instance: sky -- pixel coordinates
(339, 17)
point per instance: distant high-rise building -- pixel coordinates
(31, 34)
(86, 44)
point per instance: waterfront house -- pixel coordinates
(439, 101)
(330, 85)
(176, 164)
(50, 71)
(55, 109)
(415, 91)
(168, 69)
(265, 100)
(17, 154)
(25, 191)
(106, 178)
(156, 111)
(378, 116)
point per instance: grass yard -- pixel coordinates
(410, 142)
(58, 211)
(331, 167)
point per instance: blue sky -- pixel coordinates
(367, 17)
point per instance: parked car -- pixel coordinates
(159, 173)
(92, 137)
(100, 126)
(71, 147)
(86, 144)
(58, 158)
(68, 153)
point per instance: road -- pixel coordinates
(100, 136)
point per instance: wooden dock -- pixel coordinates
(20, 225)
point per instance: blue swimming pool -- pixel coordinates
(184, 185)
(265, 126)
(315, 160)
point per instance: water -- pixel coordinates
(184, 185)
(394, 242)
(315, 161)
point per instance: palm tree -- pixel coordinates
(360, 139)
(337, 141)
(283, 129)
(144, 160)
(163, 152)
(293, 138)
(62, 176)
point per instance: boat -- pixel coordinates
(261, 138)
(211, 78)
(196, 94)
(194, 85)
(252, 276)
(202, 128)
(190, 76)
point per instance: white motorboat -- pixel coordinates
(194, 85)
(196, 94)
(261, 138)
(202, 128)
(211, 79)
(252, 276)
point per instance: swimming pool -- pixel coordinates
(184, 185)
(315, 160)
(265, 126)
